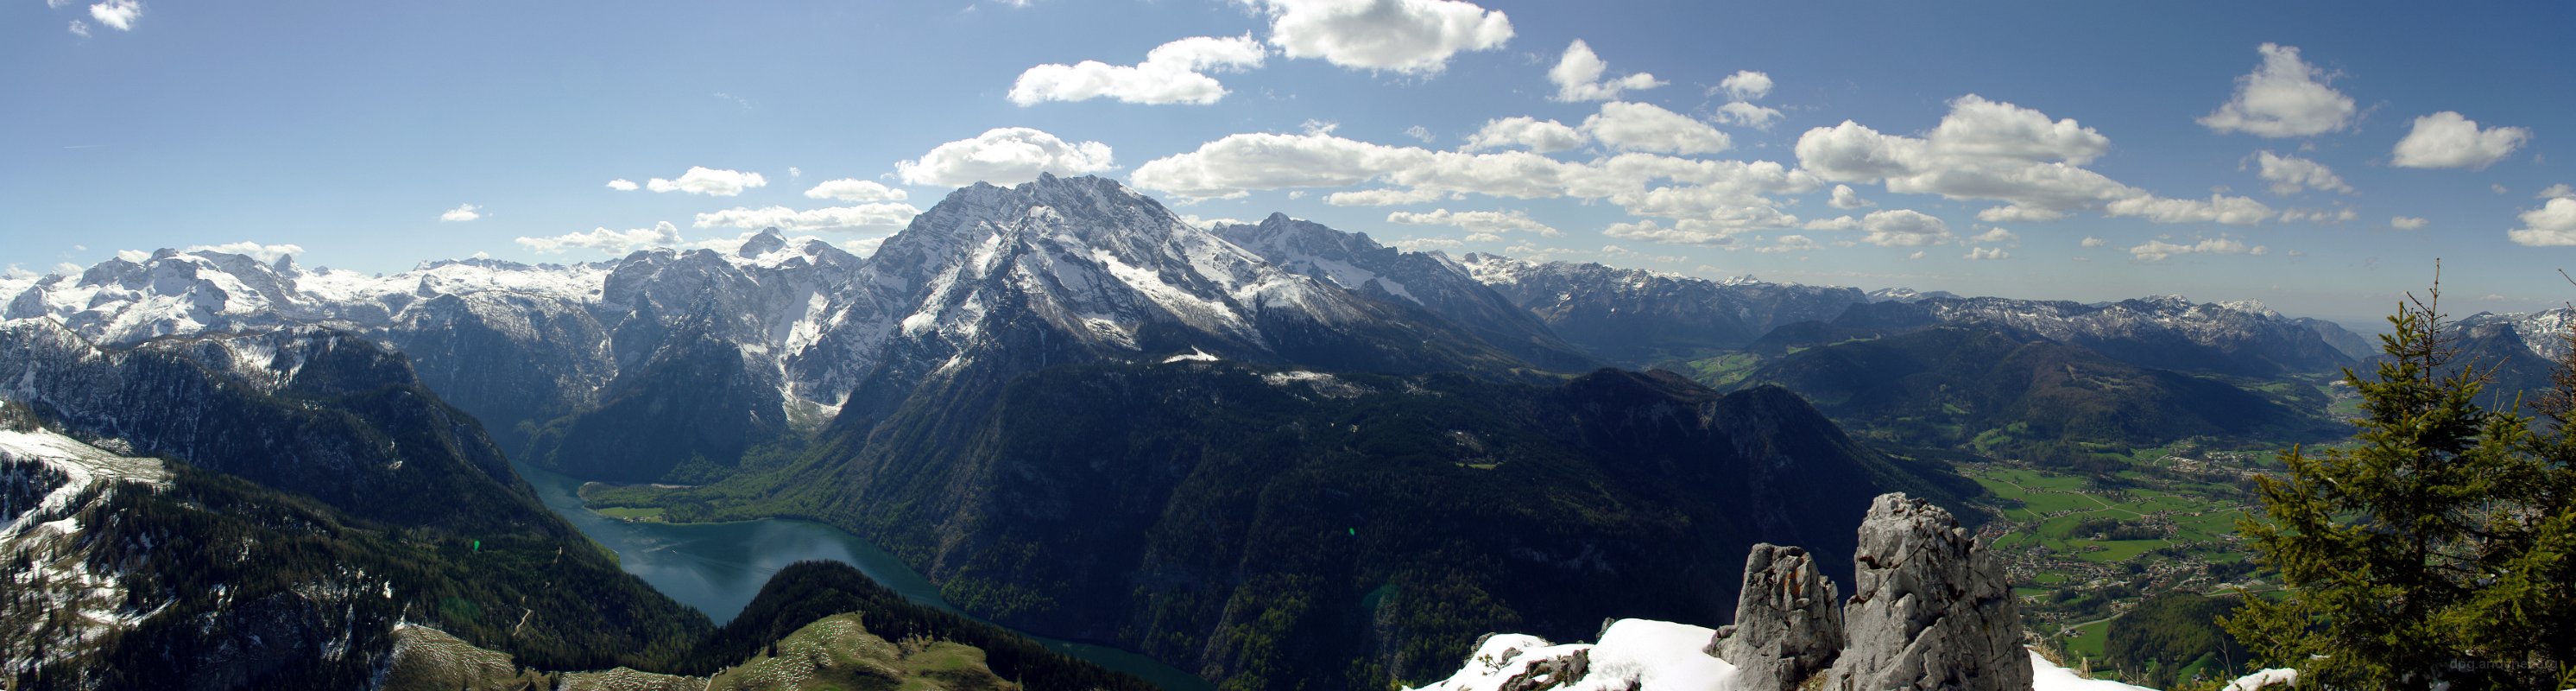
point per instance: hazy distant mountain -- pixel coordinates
(1635, 316)
(2167, 332)
(1906, 295)
(1947, 384)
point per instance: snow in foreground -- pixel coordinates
(1647, 655)
(1633, 654)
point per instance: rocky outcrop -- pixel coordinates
(1788, 622)
(1930, 608)
(1541, 673)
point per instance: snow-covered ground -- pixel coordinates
(1647, 655)
(83, 465)
(2047, 676)
(1639, 654)
(63, 603)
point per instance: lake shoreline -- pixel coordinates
(717, 567)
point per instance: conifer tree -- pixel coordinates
(2527, 611)
(2385, 546)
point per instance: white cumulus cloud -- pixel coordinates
(2558, 190)
(1994, 235)
(1004, 156)
(1426, 244)
(855, 190)
(116, 14)
(622, 185)
(1845, 198)
(1684, 232)
(1175, 72)
(1748, 115)
(2448, 140)
(462, 213)
(261, 251)
(605, 240)
(2318, 215)
(1986, 253)
(2283, 97)
(2217, 209)
(2159, 250)
(2090, 241)
(2408, 222)
(1408, 36)
(1647, 127)
(1734, 194)
(1903, 228)
(1475, 221)
(1835, 223)
(1746, 85)
(2289, 174)
(714, 182)
(1981, 150)
(1384, 197)
(1578, 72)
(2551, 225)
(1999, 151)
(1542, 136)
(881, 216)
(1788, 243)
(2011, 213)
(1230, 166)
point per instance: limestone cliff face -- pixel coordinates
(1788, 622)
(1930, 607)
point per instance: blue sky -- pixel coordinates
(348, 130)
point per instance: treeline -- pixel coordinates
(2171, 633)
(2440, 551)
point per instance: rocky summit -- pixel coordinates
(1930, 608)
(1788, 622)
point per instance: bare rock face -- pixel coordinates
(1930, 608)
(1788, 622)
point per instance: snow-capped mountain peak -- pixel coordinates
(1315, 251)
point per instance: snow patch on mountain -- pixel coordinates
(80, 466)
(1907, 295)
(81, 604)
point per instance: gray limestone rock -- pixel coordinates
(1930, 608)
(1788, 622)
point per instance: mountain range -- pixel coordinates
(1254, 450)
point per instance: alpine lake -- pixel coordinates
(718, 567)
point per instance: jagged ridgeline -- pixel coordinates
(1271, 453)
(1362, 463)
